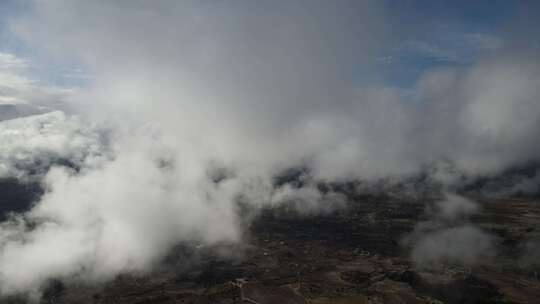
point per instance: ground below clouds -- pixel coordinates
(354, 255)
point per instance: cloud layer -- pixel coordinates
(185, 88)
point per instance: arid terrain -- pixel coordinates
(353, 255)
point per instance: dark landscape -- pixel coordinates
(352, 255)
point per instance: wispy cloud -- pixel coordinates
(17, 87)
(484, 41)
(432, 50)
(12, 62)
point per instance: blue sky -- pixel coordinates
(41, 67)
(9, 42)
(439, 33)
(445, 33)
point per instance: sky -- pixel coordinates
(458, 32)
(146, 121)
(40, 66)
(444, 34)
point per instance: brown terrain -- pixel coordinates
(354, 255)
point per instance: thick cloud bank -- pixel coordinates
(205, 102)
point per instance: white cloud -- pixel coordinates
(33, 143)
(454, 208)
(17, 88)
(254, 88)
(11, 62)
(447, 238)
(464, 245)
